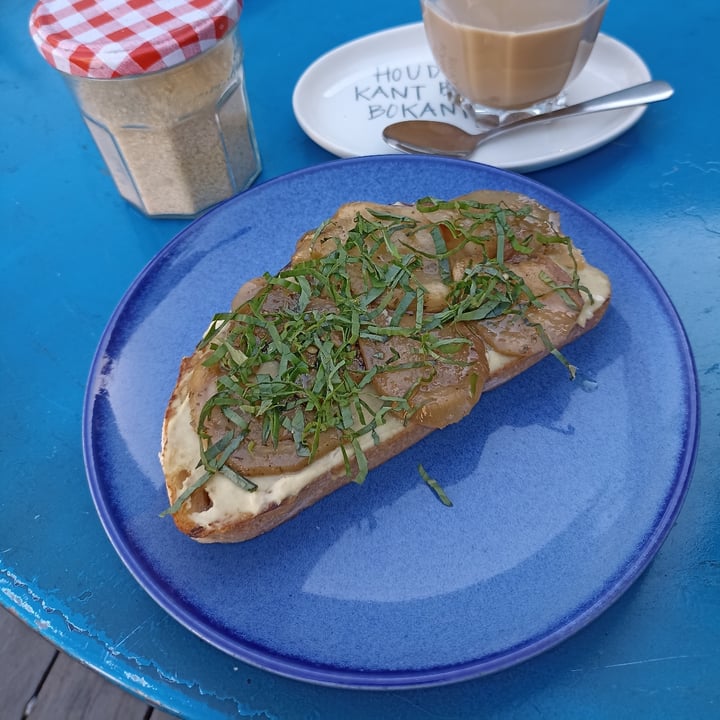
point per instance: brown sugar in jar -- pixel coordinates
(161, 88)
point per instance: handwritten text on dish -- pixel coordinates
(408, 92)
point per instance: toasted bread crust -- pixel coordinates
(244, 526)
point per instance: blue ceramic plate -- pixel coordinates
(563, 491)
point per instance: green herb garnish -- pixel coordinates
(287, 364)
(435, 486)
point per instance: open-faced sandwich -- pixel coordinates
(388, 323)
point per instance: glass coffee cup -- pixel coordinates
(504, 59)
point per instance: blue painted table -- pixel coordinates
(71, 247)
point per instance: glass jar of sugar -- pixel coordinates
(161, 88)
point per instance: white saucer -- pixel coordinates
(346, 97)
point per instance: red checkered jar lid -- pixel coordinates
(117, 38)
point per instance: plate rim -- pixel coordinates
(627, 117)
(322, 674)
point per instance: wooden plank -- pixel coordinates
(39, 683)
(75, 692)
(25, 658)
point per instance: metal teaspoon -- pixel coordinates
(430, 137)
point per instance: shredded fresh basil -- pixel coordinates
(288, 358)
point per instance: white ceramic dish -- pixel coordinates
(346, 97)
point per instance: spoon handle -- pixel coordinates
(648, 92)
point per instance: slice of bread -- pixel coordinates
(387, 324)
